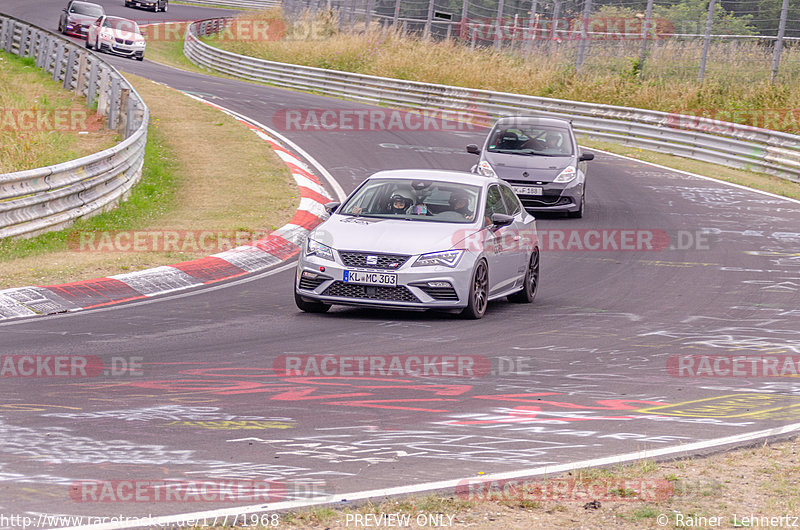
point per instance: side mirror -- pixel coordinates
(501, 219)
(473, 149)
(331, 207)
(585, 157)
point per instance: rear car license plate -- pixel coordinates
(370, 278)
(527, 190)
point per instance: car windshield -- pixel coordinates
(414, 200)
(93, 10)
(530, 140)
(121, 24)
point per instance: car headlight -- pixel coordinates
(315, 248)
(568, 174)
(106, 36)
(486, 169)
(447, 258)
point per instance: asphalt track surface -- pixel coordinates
(580, 374)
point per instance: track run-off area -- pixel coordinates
(618, 358)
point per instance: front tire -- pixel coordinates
(310, 307)
(478, 293)
(531, 283)
(578, 214)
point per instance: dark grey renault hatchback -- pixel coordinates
(541, 160)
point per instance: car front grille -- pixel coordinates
(123, 41)
(382, 261)
(370, 292)
(544, 200)
(440, 293)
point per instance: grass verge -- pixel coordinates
(759, 481)
(204, 171)
(41, 123)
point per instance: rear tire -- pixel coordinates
(478, 293)
(310, 307)
(531, 282)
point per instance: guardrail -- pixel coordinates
(730, 144)
(241, 4)
(50, 198)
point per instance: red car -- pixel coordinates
(78, 16)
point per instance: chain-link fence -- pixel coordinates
(686, 39)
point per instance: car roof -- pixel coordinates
(534, 120)
(455, 177)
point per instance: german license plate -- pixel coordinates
(370, 278)
(527, 190)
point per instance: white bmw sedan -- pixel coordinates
(119, 36)
(421, 239)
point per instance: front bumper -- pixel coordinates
(413, 290)
(555, 197)
(126, 50)
(144, 3)
(75, 29)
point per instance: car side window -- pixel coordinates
(512, 201)
(494, 203)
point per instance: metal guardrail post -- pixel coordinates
(59, 61)
(114, 102)
(91, 89)
(23, 41)
(42, 50)
(8, 36)
(124, 111)
(67, 84)
(103, 93)
(80, 81)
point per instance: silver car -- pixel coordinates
(421, 239)
(540, 158)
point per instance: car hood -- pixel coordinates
(389, 235)
(544, 168)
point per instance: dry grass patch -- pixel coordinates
(762, 481)
(26, 144)
(610, 76)
(204, 172)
